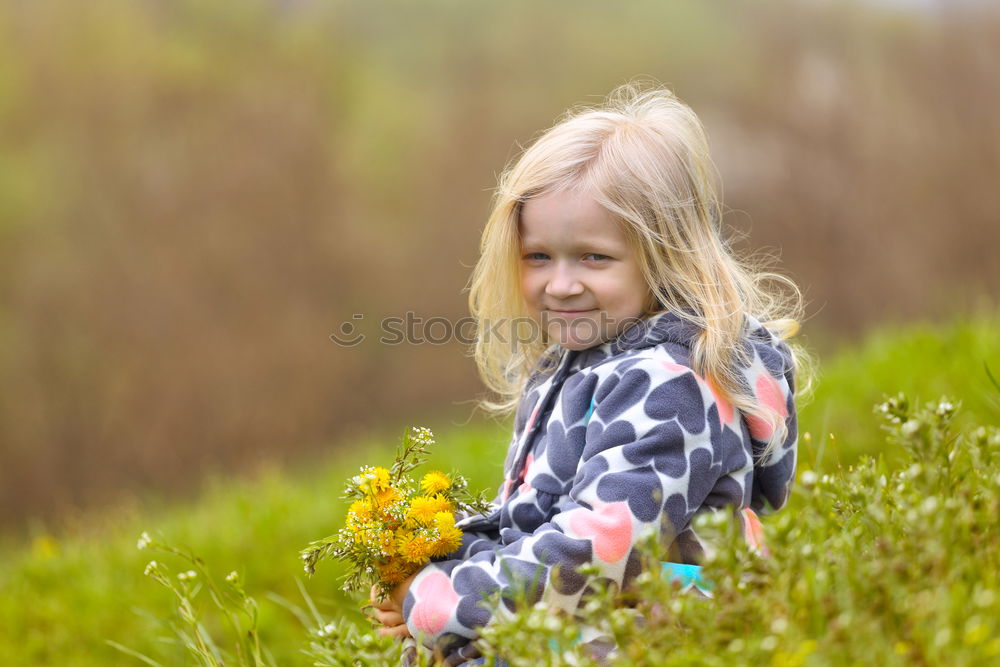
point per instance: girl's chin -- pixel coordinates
(576, 335)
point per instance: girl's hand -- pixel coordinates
(389, 612)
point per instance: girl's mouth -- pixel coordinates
(570, 313)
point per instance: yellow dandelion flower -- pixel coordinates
(442, 504)
(415, 548)
(449, 537)
(372, 479)
(395, 571)
(423, 509)
(435, 482)
(360, 510)
(379, 478)
(444, 520)
(386, 496)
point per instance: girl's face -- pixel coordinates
(580, 278)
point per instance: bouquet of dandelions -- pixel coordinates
(394, 526)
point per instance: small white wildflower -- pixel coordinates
(930, 505)
(184, 576)
(232, 577)
(769, 643)
(327, 630)
(944, 407)
(910, 427)
(144, 541)
(779, 625)
(809, 478)
(882, 481)
(422, 435)
(151, 567)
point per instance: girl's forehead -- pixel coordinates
(566, 216)
(562, 205)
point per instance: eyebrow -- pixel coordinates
(583, 245)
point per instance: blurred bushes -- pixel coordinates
(194, 195)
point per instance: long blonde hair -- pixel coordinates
(643, 155)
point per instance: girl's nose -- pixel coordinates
(563, 282)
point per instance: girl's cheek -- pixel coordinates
(532, 286)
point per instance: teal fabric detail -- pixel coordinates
(554, 645)
(686, 574)
(590, 411)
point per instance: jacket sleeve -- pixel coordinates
(647, 464)
(771, 378)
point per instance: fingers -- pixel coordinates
(389, 618)
(385, 605)
(398, 631)
(388, 613)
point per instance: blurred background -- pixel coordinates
(195, 194)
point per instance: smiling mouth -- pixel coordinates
(570, 313)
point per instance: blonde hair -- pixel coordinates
(643, 155)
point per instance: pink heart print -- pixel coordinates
(753, 531)
(525, 487)
(725, 407)
(609, 529)
(769, 394)
(435, 601)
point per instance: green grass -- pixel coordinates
(64, 595)
(922, 361)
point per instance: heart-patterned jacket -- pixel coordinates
(609, 443)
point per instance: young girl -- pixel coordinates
(651, 390)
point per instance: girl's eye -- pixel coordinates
(596, 256)
(536, 255)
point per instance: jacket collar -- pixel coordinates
(665, 327)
